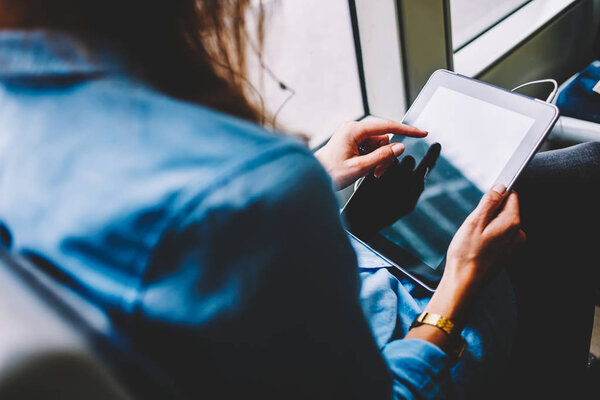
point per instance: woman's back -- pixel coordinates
(185, 224)
(88, 151)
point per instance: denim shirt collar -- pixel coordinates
(47, 56)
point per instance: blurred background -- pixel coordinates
(374, 57)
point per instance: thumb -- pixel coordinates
(382, 155)
(489, 204)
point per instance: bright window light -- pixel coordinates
(505, 35)
(310, 48)
(471, 18)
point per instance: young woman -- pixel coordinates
(133, 164)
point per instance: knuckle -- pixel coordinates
(492, 196)
(514, 226)
(390, 123)
(387, 152)
(485, 204)
(476, 213)
(471, 222)
(517, 220)
(510, 225)
(355, 166)
(348, 126)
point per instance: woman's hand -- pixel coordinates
(487, 238)
(343, 160)
(490, 235)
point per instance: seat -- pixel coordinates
(55, 344)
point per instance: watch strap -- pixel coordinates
(436, 320)
(458, 343)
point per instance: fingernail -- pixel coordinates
(397, 148)
(499, 188)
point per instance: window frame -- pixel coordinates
(379, 49)
(497, 41)
(489, 27)
(403, 28)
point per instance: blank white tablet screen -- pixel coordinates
(477, 137)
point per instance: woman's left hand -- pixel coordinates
(342, 157)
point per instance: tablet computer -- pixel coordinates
(479, 135)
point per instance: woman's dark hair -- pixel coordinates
(191, 49)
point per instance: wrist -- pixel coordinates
(452, 298)
(441, 331)
(465, 276)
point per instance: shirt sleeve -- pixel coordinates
(254, 291)
(420, 369)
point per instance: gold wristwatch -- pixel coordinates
(458, 343)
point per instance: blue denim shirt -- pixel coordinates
(216, 245)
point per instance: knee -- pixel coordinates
(590, 148)
(589, 172)
(590, 152)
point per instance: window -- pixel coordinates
(501, 29)
(504, 42)
(309, 46)
(471, 18)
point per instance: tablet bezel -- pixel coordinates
(545, 116)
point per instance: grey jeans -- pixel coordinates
(557, 273)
